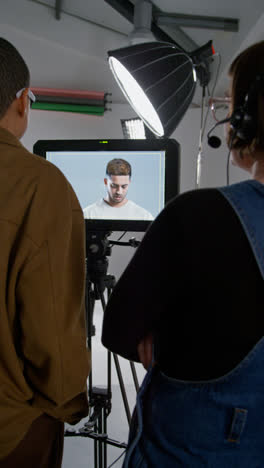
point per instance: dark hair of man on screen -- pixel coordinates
(118, 167)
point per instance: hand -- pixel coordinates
(144, 350)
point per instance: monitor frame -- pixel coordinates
(172, 170)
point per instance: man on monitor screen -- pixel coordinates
(115, 204)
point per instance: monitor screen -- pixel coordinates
(120, 184)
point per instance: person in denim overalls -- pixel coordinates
(216, 422)
(213, 423)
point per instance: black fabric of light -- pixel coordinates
(165, 73)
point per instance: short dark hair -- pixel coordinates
(118, 167)
(243, 72)
(14, 74)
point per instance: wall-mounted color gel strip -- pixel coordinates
(69, 93)
(82, 109)
(69, 100)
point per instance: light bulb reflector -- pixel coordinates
(136, 96)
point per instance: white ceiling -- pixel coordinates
(78, 42)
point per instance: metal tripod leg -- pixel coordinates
(100, 398)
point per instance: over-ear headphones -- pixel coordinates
(244, 119)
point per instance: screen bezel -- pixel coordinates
(172, 170)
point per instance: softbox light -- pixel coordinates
(158, 79)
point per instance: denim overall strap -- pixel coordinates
(247, 200)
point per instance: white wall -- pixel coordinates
(69, 53)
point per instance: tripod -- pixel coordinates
(97, 281)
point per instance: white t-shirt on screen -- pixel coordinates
(102, 210)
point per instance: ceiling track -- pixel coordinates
(126, 9)
(58, 5)
(194, 21)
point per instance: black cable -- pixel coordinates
(111, 242)
(203, 122)
(122, 235)
(116, 460)
(212, 93)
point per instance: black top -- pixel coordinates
(195, 284)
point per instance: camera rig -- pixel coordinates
(98, 249)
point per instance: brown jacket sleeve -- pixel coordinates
(50, 295)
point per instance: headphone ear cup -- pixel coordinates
(244, 119)
(243, 124)
(236, 118)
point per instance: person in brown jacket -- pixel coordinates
(44, 360)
